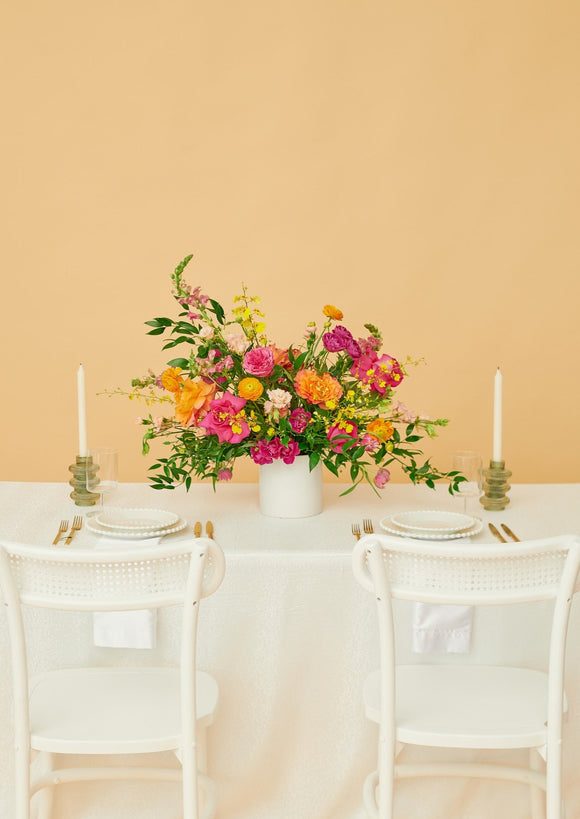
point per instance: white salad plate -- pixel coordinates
(417, 534)
(134, 534)
(433, 520)
(135, 520)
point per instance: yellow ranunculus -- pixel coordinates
(250, 388)
(171, 380)
(332, 312)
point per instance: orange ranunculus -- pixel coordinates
(171, 380)
(332, 312)
(322, 390)
(193, 402)
(250, 388)
(381, 429)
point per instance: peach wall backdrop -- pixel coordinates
(414, 163)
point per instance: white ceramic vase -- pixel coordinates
(290, 490)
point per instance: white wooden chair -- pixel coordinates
(466, 705)
(111, 710)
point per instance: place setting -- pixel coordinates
(134, 524)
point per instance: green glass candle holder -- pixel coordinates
(495, 486)
(80, 494)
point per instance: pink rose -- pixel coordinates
(382, 477)
(259, 362)
(226, 419)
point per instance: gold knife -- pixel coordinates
(509, 532)
(197, 529)
(495, 533)
(209, 528)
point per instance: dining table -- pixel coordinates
(290, 637)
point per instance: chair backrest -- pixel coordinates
(467, 574)
(112, 579)
(449, 573)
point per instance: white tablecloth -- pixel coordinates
(290, 637)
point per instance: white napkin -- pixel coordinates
(441, 628)
(125, 629)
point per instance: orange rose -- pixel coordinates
(332, 312)
(381, 429)
(171, 380)
(322, 390)
(193, 402)
(281, 356)
(250, 388)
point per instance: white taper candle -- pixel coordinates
(82, 408)
(497, 415)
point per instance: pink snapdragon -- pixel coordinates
(407, 415)
(193, 298)
(369, 345)
(224, 474)
(370, 443)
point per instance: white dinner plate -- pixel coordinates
(415, 534)
(433, 520)
(123, 534)
(135, 520)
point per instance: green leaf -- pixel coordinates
(298, 362)
(313, 460)
(156, 332)
(331, 467)
(218, 310)
(178, 362)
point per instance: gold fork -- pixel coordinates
(209, 529)
(368, 526)
(77, 524)
(61, 530)
(356, 530)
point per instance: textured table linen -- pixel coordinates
(290, 638)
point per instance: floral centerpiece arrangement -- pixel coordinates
(234, 393)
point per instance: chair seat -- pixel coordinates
(112, 710)
(465, 706)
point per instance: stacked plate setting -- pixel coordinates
(431, 525)
(135, 524)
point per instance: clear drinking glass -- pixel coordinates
(470, 465)
(103, 478)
